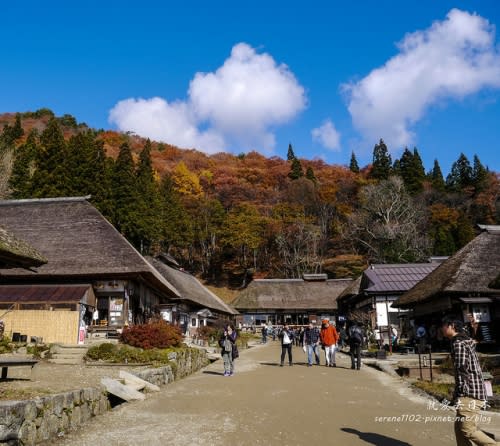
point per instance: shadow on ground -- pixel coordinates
(375, 439)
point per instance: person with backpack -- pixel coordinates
(355, 343)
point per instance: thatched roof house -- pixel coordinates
(465, 284)
(298, 299)
(190, 289)
(81, 246)
(17, 253)
(472, 271)
(78, 242)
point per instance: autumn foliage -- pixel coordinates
(154, 335)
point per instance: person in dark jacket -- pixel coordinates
(311, 342)
(355, 343)
(227, 342)
(286, 336)
(470, 394)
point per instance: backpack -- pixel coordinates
(356, 335)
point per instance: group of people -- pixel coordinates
(326, 338)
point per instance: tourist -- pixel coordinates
(311, 343)
(473, 328)
(286, 337)
(470, 394)
(264, 334)
(355, 343)
(329, 339)
(229, 350)
(421, 336)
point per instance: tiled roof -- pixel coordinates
(396, 277)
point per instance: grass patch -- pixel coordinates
(440, 391)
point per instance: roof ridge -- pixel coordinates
(44, 200)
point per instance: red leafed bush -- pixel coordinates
(154, 335)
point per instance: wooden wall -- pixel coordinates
(53, 326)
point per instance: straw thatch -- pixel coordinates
(471, 271)
(17, 253)
(291, 294)
(190, 289)
(79, 243)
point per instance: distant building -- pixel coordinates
(294, 301)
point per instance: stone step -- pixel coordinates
(78, 356)
(69, 349)
(67, 361)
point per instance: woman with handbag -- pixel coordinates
(228, 344)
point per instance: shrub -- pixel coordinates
(154, 335)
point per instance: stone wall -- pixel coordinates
(34, 421)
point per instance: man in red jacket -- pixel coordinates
(329, 337)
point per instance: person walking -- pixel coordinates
(311, 342)
(329, 338)
(469, 394)
(286, 337)
(229, 351)
(264, 334)
(355, 342)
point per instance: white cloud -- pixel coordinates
(450, 60)
(327, 135)
(174, 123)
(238, 104)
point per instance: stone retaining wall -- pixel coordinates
(34, 421)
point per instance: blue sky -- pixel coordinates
(329, 77)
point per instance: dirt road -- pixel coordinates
(264, 404)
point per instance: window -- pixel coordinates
(193, 322)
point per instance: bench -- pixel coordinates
(13, 362)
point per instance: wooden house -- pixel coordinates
(294, 301)
(197, 306)
(466, 283)
(98, 279)
(370, 298)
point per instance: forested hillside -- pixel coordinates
(227, 218)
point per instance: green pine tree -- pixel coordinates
(460, 177)
(290, 156)
(125, 195)
(436, 177)
(149, 224)
(310, 174)
(50, 176)
(22, 168)
(296, 171)
(382, 162)
(353, 165)
(479, 175)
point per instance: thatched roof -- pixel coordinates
(471, 271)
(352, 290)
(77, 241)
(291, 294)
(189, 288)
(17, 253)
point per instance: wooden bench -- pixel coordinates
(13, 362)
